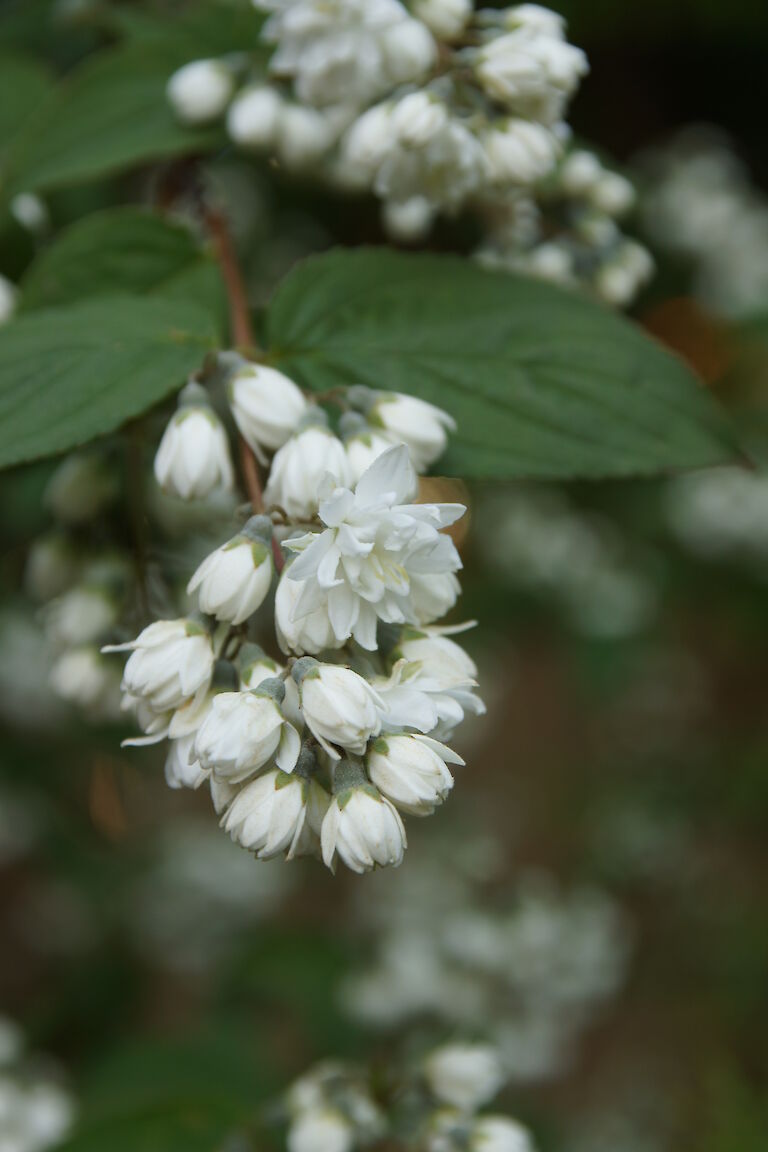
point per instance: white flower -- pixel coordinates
(254, 116)
(464, 1075)
(409, 51)
(532, 70)
(267, 407)
(499, 1134)
(438, 657)
(182, 769)
(417, 118)
(321, 1129)
(30, 211)
(408, 220)
(80, 488)
(613, 194)
(363, 444)
(433, 596)
(80, 616)
(199, 92)
(171, 662)
(446, 18)
(8, 299)
(535, 17)
(81, 677)
(243, 732)
(422, 427)
(193, 458)
(580, 172)
(410, 770)
(299, 467)
(234, 580)
(52, 565)
(308, 633)
(339, 706)
(364, 829)
(440, 670)
(361, 565)
(370, 139)
(520, 151)
(304, 135)
(277, 813)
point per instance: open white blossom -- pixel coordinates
(234, 580)
(171, 662)
(267, 407)
(362, 563)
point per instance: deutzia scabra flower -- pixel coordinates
(362, 562)
(447, 19)
(302, 463)
(278, 814)
(171, 663)
(299, 632)
(193, 458)
(410, 770)
(267, 407)
(339, 706)
(464, 1075)
(182, 768)
(199, 92)
(361, 826)
(234, 580)
(245, 731)
(322, 1129)
(422, 427)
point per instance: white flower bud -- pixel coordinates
(82, 678)
(322, 1129)
(8, 299)
(418, 118)
(613, 194)
(422, 427)
(171, 662)
(446, 18)
(256, 666)
(267, 407)
(409, 50)
(253, 118)
(80, 616)
(535, 17)
(464, 1075)
(80, 488)
(277, 813)
(299, 467)
(434, 596)
(200, 91)
(182, 769)
(499, 1134)
(193, 458)
(339, 706)
(30, 212)
(242, 733)
(364, 445)
(580, 172)
(551, 261)
(370, 139)
(304, 135)
(408, 221)
(410, 770)
(364, 829)
(520, 152)
(304, 634)
(234, 580)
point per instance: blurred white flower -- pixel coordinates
(447, 19)
(253, 121)
(8, 299)
(80, 616)
(499, 1134)
(299, 467)
(200, 91)
(465, 1076)
(322, 1129)
(82, 677)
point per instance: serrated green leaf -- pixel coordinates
(129, 250)
(543, 383)
(108, 115)
(70, 374)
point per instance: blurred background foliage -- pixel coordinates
(178, 985)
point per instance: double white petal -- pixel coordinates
(242, 733)
(364, 829)
(361, 566)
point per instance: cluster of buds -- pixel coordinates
(321, 751)
(432, 1105)
(435, 110)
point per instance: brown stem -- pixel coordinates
(241, 330)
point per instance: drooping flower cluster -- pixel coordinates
(321, 752)
(431, 1105)
(435, 110)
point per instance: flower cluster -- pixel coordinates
(431, 1105)
(435, 110)
(322, 751)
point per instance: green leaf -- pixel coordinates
(543, 383)
(120, 250)
(70, 374)
(24, 83)
(108, 115)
